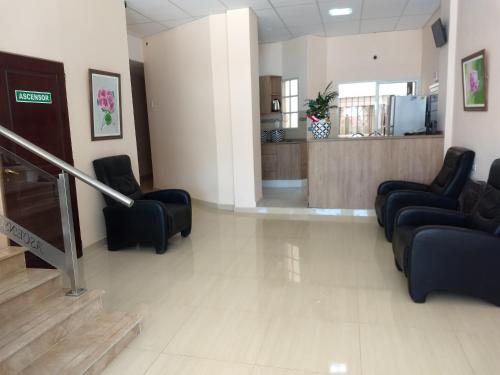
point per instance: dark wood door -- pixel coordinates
(32, 201)
(141, 123)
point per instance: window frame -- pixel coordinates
(284, 97)
(377, 94)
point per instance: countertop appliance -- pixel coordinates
(406, 114)
(276, 105)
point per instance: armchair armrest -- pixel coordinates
(146, 222)
(454, 259)
(388, 186)
(170, 196)
(140, 211)
(399, 199)
(420, 216)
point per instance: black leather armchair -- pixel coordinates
(442, 192)
(154, 217)
(443, 250)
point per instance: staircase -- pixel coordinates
(44, 332)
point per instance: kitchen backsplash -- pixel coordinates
(274, 120)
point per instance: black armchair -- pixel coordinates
(442, 250)
(442, 192)
(154, 217)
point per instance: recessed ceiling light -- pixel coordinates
(340, 11)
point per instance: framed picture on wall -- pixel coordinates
(474, 81)
(105, 105)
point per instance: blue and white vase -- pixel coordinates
(321, 129)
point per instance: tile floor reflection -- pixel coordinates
(255, 295)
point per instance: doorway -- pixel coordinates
(28, 189)
(141, 125)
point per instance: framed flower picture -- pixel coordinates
(474, 81)
(105, 105)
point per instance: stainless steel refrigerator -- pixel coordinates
(406, 114)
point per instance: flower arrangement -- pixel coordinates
(106, 101)
(319, 108)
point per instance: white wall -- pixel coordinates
(271, 59)
(445, 74)
(203, 108)
(350, 58)
(179, 89)
(243, 55)
(222, 114)
(67, 31)
(430, 55)
(135, 48)
(479, 131)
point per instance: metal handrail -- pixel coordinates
(123, 199)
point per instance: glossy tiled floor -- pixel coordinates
(284, 197)
(265, 296)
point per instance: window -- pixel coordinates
(363, 106)
(290, 100)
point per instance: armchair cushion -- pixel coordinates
(445, 189)
(454, 173)
(153, 218)
(388, 186)
(453, 252)
(455, 260)
(170, 196)
(399, 199)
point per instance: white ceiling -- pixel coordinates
(284, 19)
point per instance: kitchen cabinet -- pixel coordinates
(270, 89)
(284, 161)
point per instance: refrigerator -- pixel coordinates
(406, 114)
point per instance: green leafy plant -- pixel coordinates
(319, 108)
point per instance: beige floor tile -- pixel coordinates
(333, 304)
(247, 294)
(167, 364)
(261, 370)
(160, 324)
(228, 335)
(380, 275)
(398, 350)
(131, 362)
(309, 294)
(482, 352)
(393, 306)
(311, 345)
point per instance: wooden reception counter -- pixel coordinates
(345, 172)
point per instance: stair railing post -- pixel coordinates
(71, 259)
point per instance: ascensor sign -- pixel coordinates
(31, 242)
(38, 97)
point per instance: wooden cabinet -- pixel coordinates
(270, 89)
(284, 161)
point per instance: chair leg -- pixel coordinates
(397, 265)
(417, 297)
(161, 249)
(186, 232)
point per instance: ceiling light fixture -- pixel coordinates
(340, 11)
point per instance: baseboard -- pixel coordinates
(219, 206)
(99, 243)
(303, 212)
(284, 183)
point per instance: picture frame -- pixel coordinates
(475, 82)
(105, 105)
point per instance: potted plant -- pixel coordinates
(319, 112)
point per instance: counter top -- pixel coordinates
(286, 142)
(380, 138)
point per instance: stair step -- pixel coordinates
(11, 261)
(28, 335)
(26, 288)
(88, 349)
